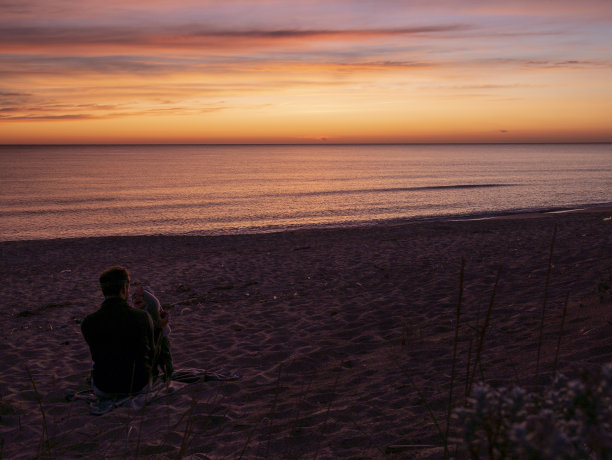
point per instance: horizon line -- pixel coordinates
(101, 144)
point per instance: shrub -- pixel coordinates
(569, 420)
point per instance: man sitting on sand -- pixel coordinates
(120, 339)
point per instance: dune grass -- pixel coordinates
(568, 418)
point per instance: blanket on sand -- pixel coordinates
(100, 404)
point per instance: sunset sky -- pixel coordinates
(305, 71)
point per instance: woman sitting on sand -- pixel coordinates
(143, 299)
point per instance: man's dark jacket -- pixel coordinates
(120, 339)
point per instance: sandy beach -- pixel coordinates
(343, 337)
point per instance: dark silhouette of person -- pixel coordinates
(120, 339)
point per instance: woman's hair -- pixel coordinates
(151, 303)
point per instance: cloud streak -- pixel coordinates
(43, 39)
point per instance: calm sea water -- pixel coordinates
(71, 191)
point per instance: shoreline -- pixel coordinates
(339, 333)
(597, 207)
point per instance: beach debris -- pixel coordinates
(189, 301)
(224, 287)
(26, 313)
(38, 311)
(604, 289)
(301, 248)
(6, 409)
(396, 449)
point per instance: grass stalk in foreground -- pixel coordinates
(423, 399)
(188, 428)
(326, 418)
(541, 333)
(247, 442)
(296, 419)
(454, 361)
(483, 332)
(468, 366)
(560, 333)
(142, 419)
(276, 393)
(44, 443)
(363, 432)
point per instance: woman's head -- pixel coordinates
(138, 298)
(143, 299)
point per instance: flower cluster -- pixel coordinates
(571, 419)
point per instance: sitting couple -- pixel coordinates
(129, 346)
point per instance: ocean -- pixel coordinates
(78, 191)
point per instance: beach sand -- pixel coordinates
(343, 337)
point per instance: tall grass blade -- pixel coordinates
(467, 368)
(45, 432)
(560, 333)
(247, 442)
(453, 365)
(423, 399)
(483, 331)
(277, 391)
(188, 428)
(541, 332)
(331, 399)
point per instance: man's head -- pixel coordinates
(115, 282)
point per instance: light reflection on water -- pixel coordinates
(65, 191)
